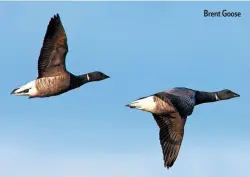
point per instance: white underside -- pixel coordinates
(145, 104)
(32, 89)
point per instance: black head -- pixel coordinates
(226, 94)
(97, 76)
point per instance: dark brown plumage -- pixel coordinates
(170, 135)
(53, 78)
(170, 110)
(51, 61)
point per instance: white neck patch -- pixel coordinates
(216, 97)
(88, 77)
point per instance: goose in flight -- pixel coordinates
(53, 78)
(170, 110)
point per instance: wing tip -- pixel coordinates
(56, 17)
(54, 24)
(168, 165)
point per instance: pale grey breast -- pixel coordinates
(48, 86)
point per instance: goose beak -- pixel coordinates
(236, 95)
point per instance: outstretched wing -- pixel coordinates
(171, 135)
(51, 61)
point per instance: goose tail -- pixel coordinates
(144, 104)
(28, 89)
(14, 91)
(20, 91)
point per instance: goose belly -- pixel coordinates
(51, 86)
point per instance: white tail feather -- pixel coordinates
(28, 89)
(145, 104)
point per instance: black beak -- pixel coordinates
(107, 76)
(236, 95)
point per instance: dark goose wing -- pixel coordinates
(51, 61)
(171, 135)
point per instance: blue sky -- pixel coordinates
(145, 47)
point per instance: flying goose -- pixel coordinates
(170, 110)
(53, 78)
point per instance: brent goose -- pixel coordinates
(170, 110)
(53, 77)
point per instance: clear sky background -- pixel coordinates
(145, 47)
